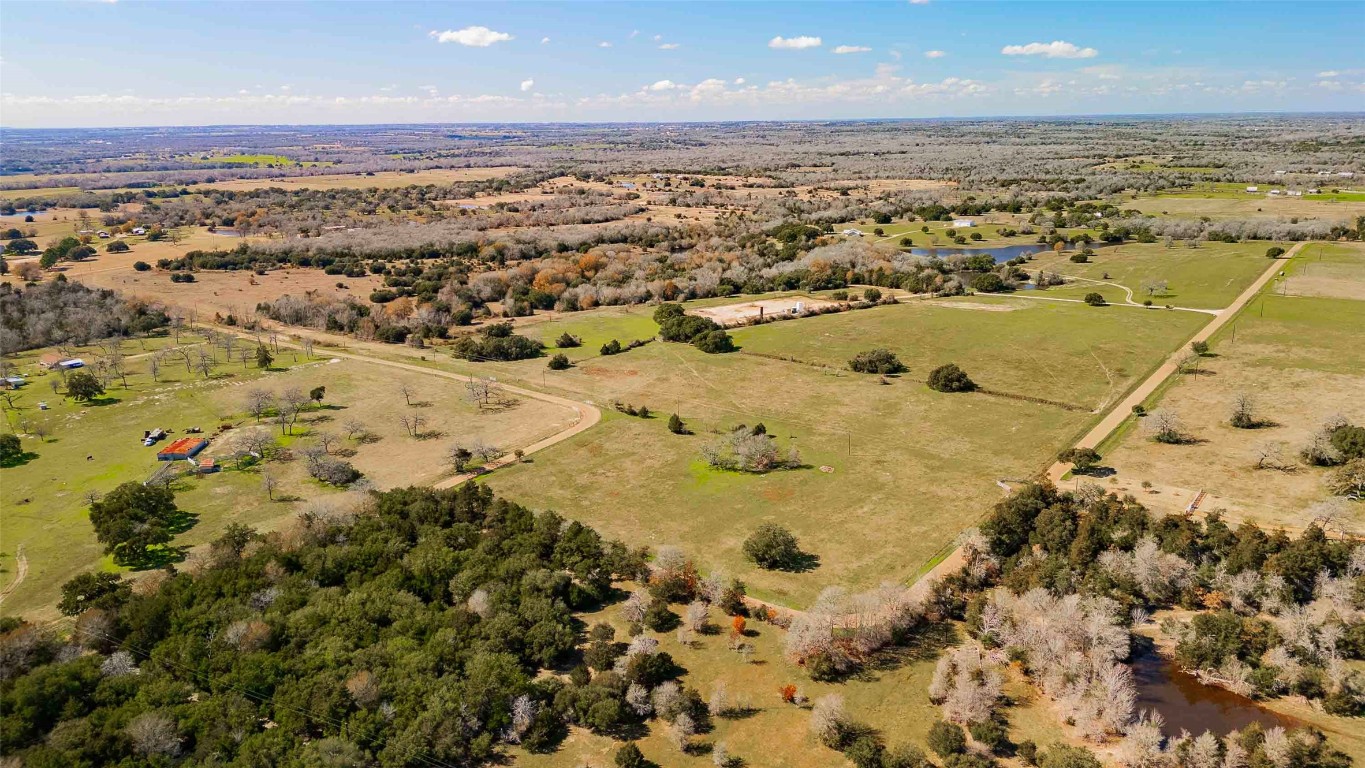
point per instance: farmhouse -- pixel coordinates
(184, 448)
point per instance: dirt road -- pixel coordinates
(1121, 411)
(20, 572)
(587, 414)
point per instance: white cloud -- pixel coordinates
(841, 49)
(1057, 49)
(739, 81)
(604, 44)
(285, 87)
(657, 38)
(1329, 85)
(795, 43)
(935, 54)
(527, 85)
(475, 37)
(634, 33)
(669, 47)
(1329, 73)
(544, 40)
(662, 85)
(919, 2)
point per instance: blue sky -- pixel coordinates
(195, 63)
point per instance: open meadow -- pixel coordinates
(1207, 277)
(1300, 359)
(892, 472)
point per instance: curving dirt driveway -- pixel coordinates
(587, 413)
(20, 572)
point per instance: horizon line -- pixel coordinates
(736, 121)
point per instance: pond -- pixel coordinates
(1001, 253)
(225, 232)
(1187, 704)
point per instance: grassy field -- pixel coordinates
(46, 494)
(1301, 359)
(1208, 277)
(908, 468)
(1228, 204)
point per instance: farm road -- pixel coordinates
(587, 414)
(1120, 411)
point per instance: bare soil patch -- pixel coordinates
(732, 314)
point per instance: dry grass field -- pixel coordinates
(1301, 359)
(909, 467)
(44, 497)
(1218, 205)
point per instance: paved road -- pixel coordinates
(1121, 410)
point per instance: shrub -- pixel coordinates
(495, 342)
(991, 735)
(665, 312)
(559, 362)
(659, 618)
(567, 341)
(1080, 258)
(743, 450)
(685, 328)
(141, 266)
(1274, 252)
(988, 282)
(612, 347)
(772, 547)
(334, 472)
(118, 246)
(1349, 440)
(1094, 299)
(947, 738)
(1083, 459)
(676, 425)
(629, 756)
(1200, 348)
(950, 378)
(872, 295)
(714, 342)
(881, 361)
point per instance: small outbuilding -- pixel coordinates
(963, 223)
(852, 232)
(1252, 189)
(74, 362)
(184, 448)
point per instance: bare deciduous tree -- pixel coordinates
(258, 402)
(408, 393)
(1164, 426)
(269, 483)
(354, 428)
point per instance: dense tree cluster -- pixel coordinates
(66, 312)
(409, 631)
(495, 342)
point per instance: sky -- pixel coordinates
(131, 63)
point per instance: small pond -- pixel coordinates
(1001, 253)
(1187, 704)
(225, 232)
